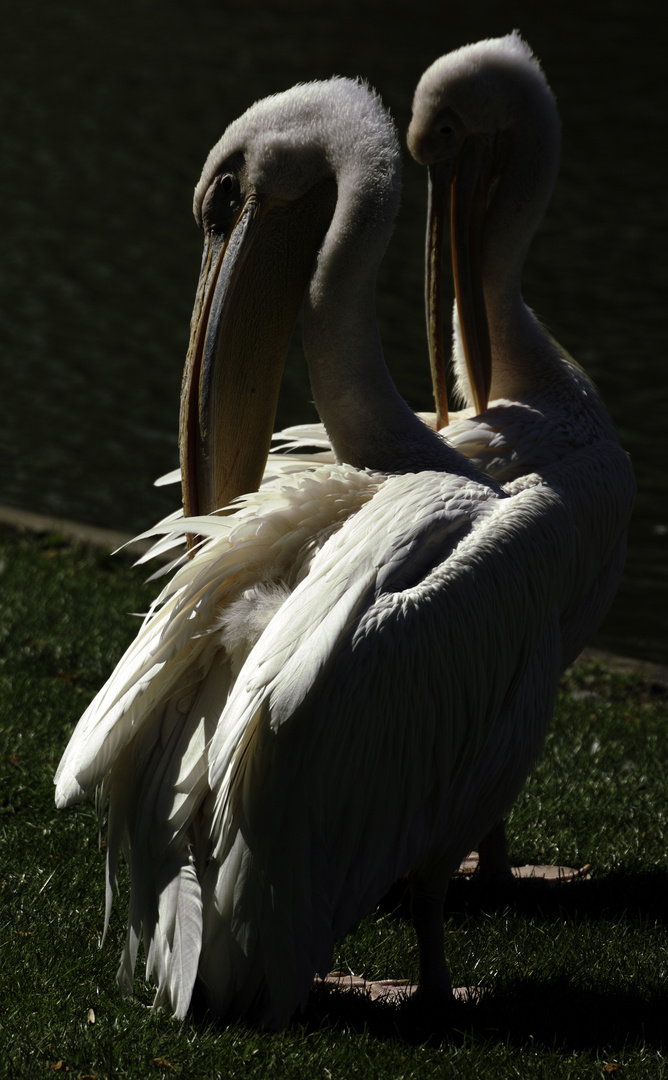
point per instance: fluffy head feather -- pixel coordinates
(336, 128)
(486, 84)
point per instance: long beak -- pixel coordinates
(468, 184)
(250, 290)
(439, 185)
(222, 263)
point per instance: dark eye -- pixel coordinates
(220, 202)
(446, 130)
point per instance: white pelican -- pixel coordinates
(485, 122)
(351, 677)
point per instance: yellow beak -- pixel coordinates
(467, 183)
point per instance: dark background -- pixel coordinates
(108, 112)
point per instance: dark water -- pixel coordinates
(107, 115)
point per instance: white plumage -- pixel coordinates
(351, 677)
(545, 418)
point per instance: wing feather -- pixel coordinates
(361, 727)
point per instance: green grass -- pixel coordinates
(576, 978)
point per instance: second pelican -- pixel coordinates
(485, 122)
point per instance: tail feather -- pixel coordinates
(268, 915)
(175, 941)
(156, 791)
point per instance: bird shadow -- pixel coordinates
(557, 1012)
(637, 896)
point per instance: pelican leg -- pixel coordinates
(494, 862)
(427, 899)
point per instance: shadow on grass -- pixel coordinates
(642, 896)
(558, 1013)
(554, 1014)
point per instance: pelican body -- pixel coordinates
(349, 677)
(485, 123)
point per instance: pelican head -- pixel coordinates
(269, 193)
(485, 123)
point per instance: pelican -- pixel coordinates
(485, 123)
(319, 701)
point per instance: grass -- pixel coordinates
(576, 978)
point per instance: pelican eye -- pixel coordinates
(445, 130)
(228, 182)
(220, 202)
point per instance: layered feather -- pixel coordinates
(250, 793)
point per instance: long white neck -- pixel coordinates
(368, 422)
(523, 355)
(528, 366)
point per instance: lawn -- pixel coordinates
(575, 978)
